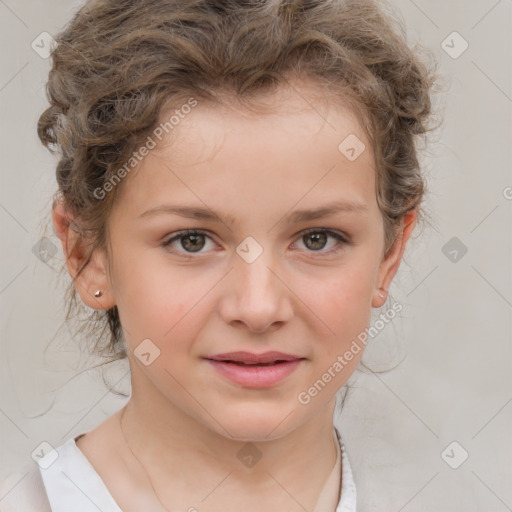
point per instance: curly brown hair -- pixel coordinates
(118, 65)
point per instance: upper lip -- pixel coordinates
(249, 357)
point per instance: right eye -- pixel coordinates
(190, 241)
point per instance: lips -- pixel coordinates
(249, 358)
(251, 370)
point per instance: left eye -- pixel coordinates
(317, 239)
(192, 240)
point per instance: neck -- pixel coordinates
(188, 464)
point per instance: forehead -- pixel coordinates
(297, 149)
(297, 111)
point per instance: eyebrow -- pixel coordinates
(296, 216)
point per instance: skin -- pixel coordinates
(183, 419)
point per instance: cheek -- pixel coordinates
(347, 291)
(343, 305)
(143, 293)
(158, 302)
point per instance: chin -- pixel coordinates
(256, 423)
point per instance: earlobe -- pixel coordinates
(389, 266)
(379, 298)
(93, 284)
(93, 277)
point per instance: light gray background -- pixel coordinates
(454, 381)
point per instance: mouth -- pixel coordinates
(251, 359)
(255, 370)
(240, 363)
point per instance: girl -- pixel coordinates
(237, 183)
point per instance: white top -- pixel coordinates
(69, 483)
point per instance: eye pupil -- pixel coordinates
(194, 239)
(319, 240)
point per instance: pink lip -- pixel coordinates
(254, 374)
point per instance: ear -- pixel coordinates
(94, 277)
(389, 265)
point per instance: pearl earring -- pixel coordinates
(98, 293)
(381, 295)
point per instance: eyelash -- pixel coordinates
(341, 239)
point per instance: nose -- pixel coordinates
(257, 297)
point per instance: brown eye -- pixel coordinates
(190, 241)
(316, 240)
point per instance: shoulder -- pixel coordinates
(103, 449)
(24, 490)
(34, 487)
(72, 483)
(88, 467)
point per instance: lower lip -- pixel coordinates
(254, 376)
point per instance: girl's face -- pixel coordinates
(286, 258)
